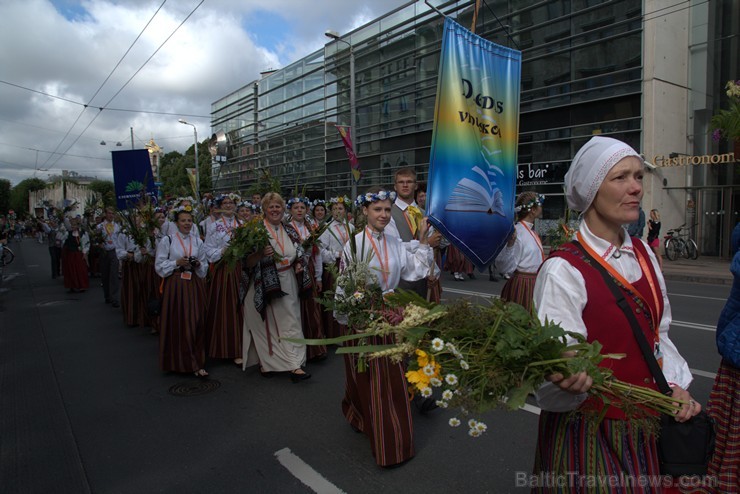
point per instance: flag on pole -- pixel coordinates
(193, 178)
(473, 157)
(346, 134)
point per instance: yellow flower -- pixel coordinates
(422, 358)
(418, 379)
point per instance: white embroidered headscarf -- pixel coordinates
(589, 168)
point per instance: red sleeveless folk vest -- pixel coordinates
(606, 323)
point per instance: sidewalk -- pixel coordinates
(703, 270)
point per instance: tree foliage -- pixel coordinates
(19, 194)
(5, 187)
(173, 171)
(106, 190)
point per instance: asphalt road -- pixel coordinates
(84, 408)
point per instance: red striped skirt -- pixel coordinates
(225, 315)
(74, 269)
(724, 408)
(332, 328)
(520, 289)
(131, 292)
(311, 320)
(181, 333)
(457, 262)
(376, 402)
(576, 455)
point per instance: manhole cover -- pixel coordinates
(195, 388)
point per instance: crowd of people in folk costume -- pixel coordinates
(244, 312)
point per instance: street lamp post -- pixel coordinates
(197, 168)
(352, 106)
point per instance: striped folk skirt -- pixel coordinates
(131, 292)
(311, 322)
(376, 402)
(456, 261)
(74, 269)
(520, 289)
(724, 408)
(576, 455)
(332, 328)
(149, 291)
(225, 316)
(181, 330)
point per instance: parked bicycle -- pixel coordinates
(7, 255)
(678, 244)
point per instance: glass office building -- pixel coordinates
(589, 67)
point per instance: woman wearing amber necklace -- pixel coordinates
(376, 400)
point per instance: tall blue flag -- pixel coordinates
(132, 172)
(472, 169)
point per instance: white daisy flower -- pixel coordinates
(441, 403)
(474, 433)
(464, 365)
(426, 392)
(480, 426)
(472, 423)
(437, 344)
(435, 382)
(454, 422)
(429, 370)
(447, 394)
(451, 379)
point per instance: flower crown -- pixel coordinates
(368, 198)
(187, 208)
(340, 200)
(318, 202)
(537, 200)
(180, 200)
(236, 198)
(296, 200)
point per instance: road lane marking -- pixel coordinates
(694, 325)
(697, 372)
(530, 408)
(307, 475)
(467, 292)
(697, 296)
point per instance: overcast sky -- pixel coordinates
(68, 49)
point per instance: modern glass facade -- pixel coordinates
(582, 74)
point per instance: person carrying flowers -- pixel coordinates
(604, 182)
(373, 263)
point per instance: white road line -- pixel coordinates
(696, 296)
(307, 475)
(694, 325)
(467, 292)
(530, 408)
(697, 372)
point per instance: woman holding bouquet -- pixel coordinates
(523, 253)
(376, 401)
(224, 320)
(181, 261)
(75, 246)
(332, 242)
(272, 310)
(310, 308)
(604, 182)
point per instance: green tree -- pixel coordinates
(19, 194)
(106, 190)
(173, 171)
(4, 195)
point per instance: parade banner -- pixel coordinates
(346, 134)
(132, 172)
(193, 179)
(473, 158)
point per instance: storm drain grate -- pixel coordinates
(195, 388)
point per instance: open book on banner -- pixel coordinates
(473, 160)
(132, 173)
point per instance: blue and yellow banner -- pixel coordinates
(132, 176)
(473, 162)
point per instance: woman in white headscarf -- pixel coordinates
(604, 182)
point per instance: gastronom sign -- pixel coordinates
(684, 160)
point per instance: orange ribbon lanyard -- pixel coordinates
(626, 283)
(341, 231)
(299, 229)
(190, 244)
(535, 237)
(277, 238)
(383, 265)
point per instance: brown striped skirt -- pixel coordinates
(724, 408)
(520, 289)
(376, 402)
(131, 292)
(332, 328)
(311, 319)
(225, 315)
(181, 333)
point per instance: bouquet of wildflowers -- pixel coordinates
(246, 239)
(726, 122)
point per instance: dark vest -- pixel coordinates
(404, 231)
(606, 322)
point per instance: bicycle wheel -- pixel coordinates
(671, 249)
(7, 257)
(692, 249)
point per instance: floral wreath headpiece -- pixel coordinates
(180, 200)
(340, 200)
(368, 198)
(537, 200)
(236, 198)
(179, 209)
(318, 202)
(296, 200)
